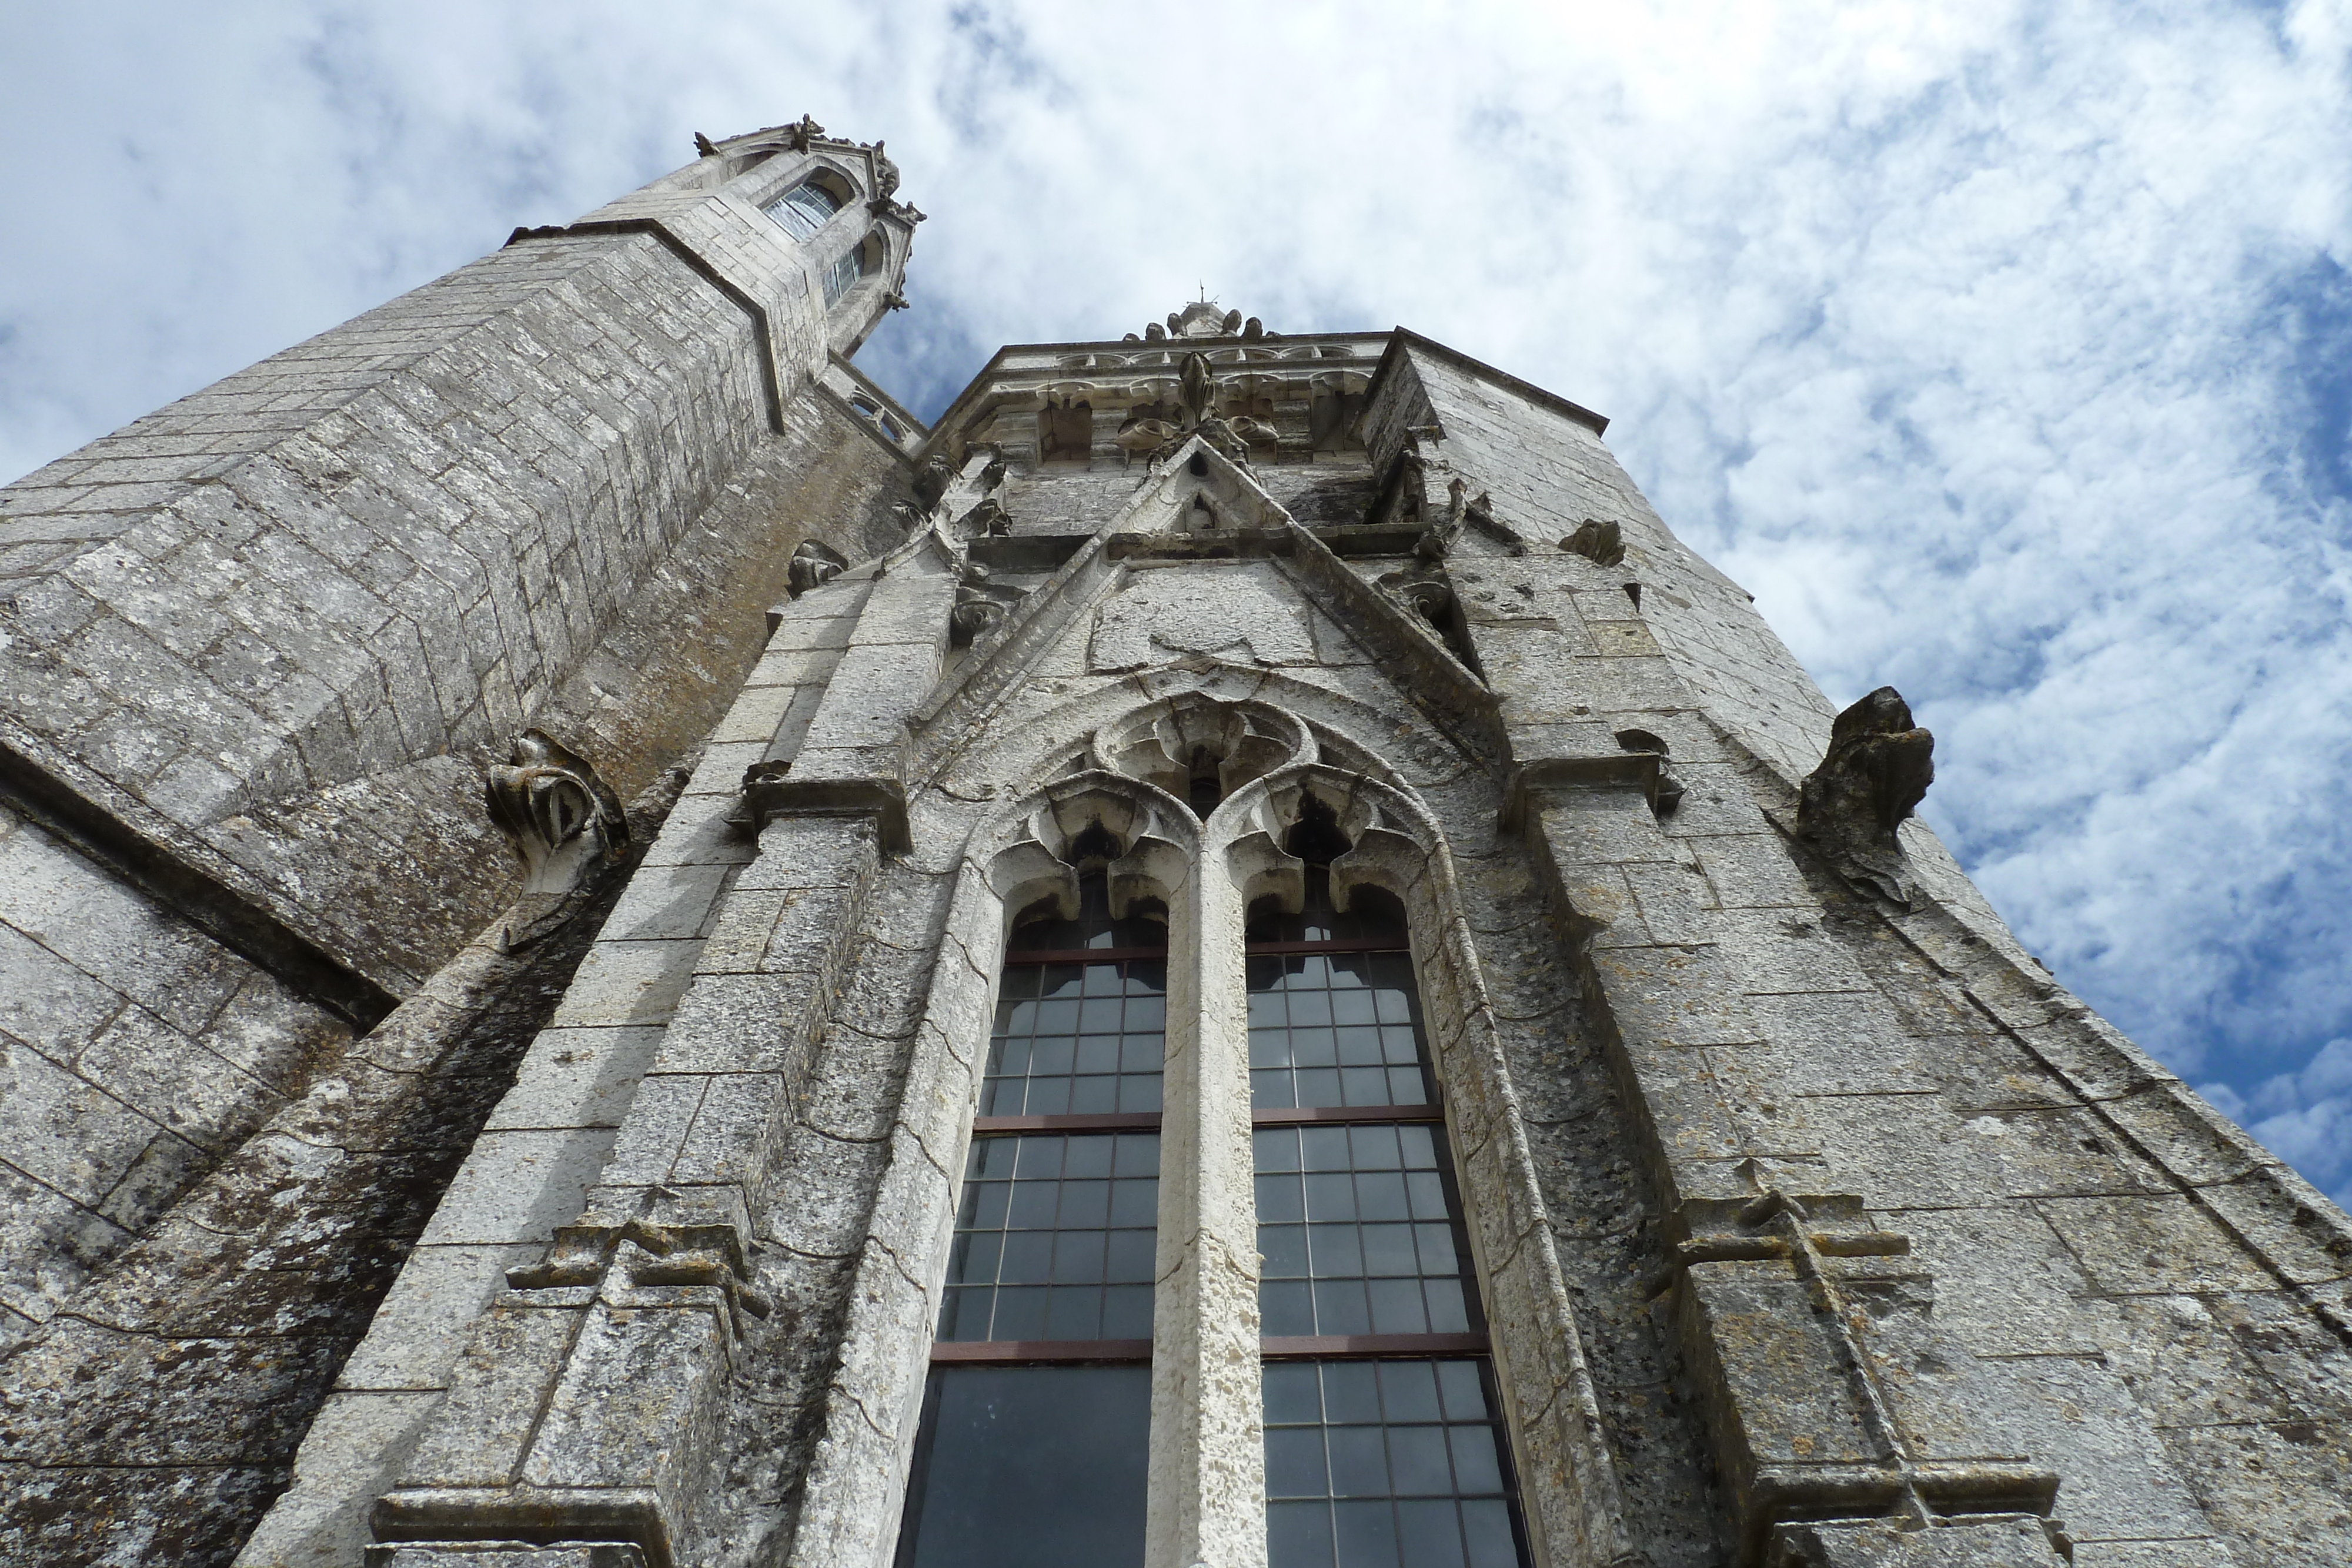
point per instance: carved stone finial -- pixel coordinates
(1602, 543)
(704, 147)
(932, 479)
(812, 565)
(1877, 769)
(1196, 388)
(564, 823)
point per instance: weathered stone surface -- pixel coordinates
(1809, 1222)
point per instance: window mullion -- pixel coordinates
(1207, 1496)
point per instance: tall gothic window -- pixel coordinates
(805, 208)
(1036, 1419)
(1383, 1443)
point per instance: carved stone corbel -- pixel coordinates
(564, 823)
(1877, 768)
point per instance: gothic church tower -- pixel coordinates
(614, 954)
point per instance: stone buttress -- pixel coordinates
(263, 972)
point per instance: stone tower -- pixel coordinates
(612, 953)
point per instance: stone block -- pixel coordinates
(498, 1388)
(2160, 1244)
(518, 1187)
(628, 983)
(653, 1130)
(356, 1444)
(422, 1321)
(2008, 1541)
(577, 1078)
(666, 903)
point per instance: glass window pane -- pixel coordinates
(1093, 1038)
(1064, 1248)
(1334, 1029)
(1383, 1242)
(1029, 1467)
(804, 209)
(1406, 1485)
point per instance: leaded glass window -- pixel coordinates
(804, 209)
(1054, 1239)
(1359, 1233)
(1371, 1462)
(842, 273)
(1387, 1464)
(1029, 1467)
(1035, 1421)
(1081, 1016)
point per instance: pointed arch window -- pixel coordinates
(1033, 1438)
(1383, 1436)
(1385, 1442)
(808, 207)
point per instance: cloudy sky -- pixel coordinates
(2004, 350)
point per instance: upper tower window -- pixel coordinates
(809, 206)
(843, 273)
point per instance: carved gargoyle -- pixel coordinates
(886, 175)
(1430, 595)
(564, 823)
(1253, 330)
(704, 147)
(1153, 333)
(1877, 769)
(1232, 322)
(805, 131)
(932, 479)
(812, 566)
(992, 474)
(987, 521)
(1602, 543)
(979, 606)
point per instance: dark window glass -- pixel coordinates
(1359, 1233)
(1054, 1239)
(1372, 915)
(1387, 1464)
(1077, 1039)
(804, 209)
(842, 272)
(1029, 1467)
(1335, 1028)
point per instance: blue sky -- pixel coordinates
(2003, 350)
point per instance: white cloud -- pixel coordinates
(1999, 348)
